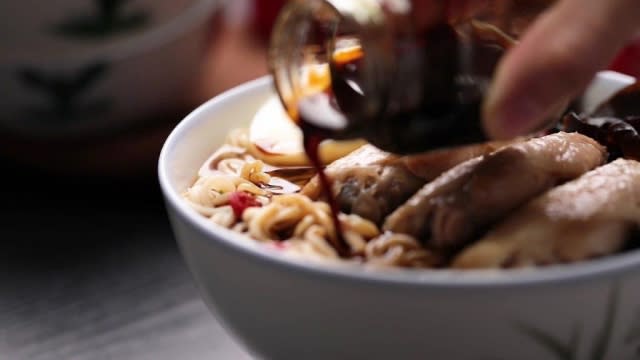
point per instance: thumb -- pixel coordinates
(554, 62)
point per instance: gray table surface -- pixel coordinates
(89, 270)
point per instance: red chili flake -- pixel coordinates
(240, 201)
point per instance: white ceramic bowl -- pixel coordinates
(282, 308)
(65, 71)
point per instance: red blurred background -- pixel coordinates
(628, 61)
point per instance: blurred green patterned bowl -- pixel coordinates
(76, 69)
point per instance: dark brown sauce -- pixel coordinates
(313, 136)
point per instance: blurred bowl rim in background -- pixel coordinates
(167, 57)
(125, 46)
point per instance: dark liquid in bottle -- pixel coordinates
(442, 111)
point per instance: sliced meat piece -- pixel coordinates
(586, 218)
(368, 182)
(372, 183)
(414, 216)
(453, 209)
(364, 157)
(374, 192)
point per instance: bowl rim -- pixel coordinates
(194, 14)
(609, 266)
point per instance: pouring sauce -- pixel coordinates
(443, 112)
(312, 137)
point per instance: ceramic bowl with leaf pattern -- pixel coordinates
(83, 67)
(284, 307)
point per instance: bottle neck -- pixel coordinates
(334, 45)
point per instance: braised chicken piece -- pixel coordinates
(371, 183)
(450, 211)
(415, 216)
(583, 219)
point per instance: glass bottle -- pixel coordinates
(408, 76)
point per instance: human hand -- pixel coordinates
(555, 60)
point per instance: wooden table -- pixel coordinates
(88, 265)
(90, 270)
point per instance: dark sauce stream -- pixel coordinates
(312, 137)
